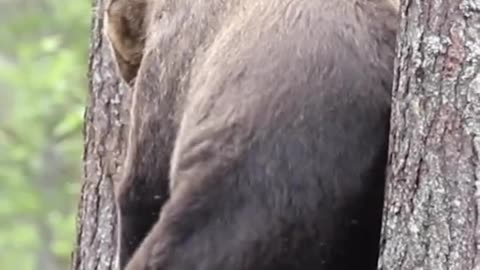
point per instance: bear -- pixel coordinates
(258, 134)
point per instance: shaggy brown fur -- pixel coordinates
(259, 132)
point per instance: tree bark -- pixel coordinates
(432, 197)
(106, 120)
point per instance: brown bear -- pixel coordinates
(259, 132)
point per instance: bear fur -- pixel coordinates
(259, 132)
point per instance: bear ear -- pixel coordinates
(127, 70)
(124, 28)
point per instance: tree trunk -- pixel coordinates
(106, 119)
(431, 211)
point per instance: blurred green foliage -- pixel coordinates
(43, 67)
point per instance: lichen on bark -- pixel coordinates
(432, 197)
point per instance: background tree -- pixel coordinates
(43, 53)
(431, 213)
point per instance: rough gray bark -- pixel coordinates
(431, 213)
(106, 118)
